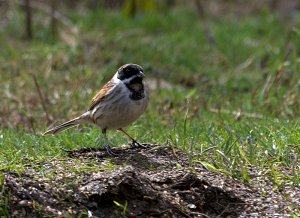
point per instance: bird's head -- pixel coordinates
(130, 72)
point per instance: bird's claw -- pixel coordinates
(109, 151)
(136, 144)
(106, 146)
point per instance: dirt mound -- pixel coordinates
(152, 182)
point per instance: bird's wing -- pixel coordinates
(100, 96)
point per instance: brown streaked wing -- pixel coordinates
(101, 94)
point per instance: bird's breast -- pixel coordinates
(120, 111)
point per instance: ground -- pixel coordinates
(158, 181)
(224, 93)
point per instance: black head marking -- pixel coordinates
(129, 70)
(134, 73)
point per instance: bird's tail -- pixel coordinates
(85, 118)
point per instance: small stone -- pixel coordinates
(192, 206)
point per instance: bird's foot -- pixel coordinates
(136, 144)
(109, 151)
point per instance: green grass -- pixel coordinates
(230, 76)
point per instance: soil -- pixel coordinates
(156, 181)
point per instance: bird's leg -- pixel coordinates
(134, 143)
(106, 145)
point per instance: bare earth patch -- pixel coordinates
(152, 182)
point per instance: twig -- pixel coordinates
(59, 16)
(28, 19)
(267, 87)
(200, 9)
(41, 98)
(202, 15)
(53, 19)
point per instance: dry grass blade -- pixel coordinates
(41, 98)
(237, 114)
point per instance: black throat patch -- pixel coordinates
(136, 88)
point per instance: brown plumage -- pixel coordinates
(101, 94)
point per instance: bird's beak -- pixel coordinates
(141, 74)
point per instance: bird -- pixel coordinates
(121, 101)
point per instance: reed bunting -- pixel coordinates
(119, 103)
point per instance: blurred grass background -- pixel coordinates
(224, 79)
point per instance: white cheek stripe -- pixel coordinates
(116, 80)
(141, 72)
